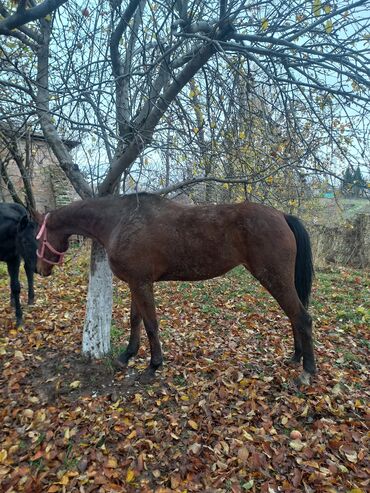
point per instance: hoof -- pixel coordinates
(119, 365)
(304, 379)
(293, 361)
(147, 376)
(125, 357)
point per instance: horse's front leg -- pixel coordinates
(30, 270)
(15, 288)
(134, 341)
(144, 298)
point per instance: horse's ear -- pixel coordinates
(37, 217)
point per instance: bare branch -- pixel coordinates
(23, 15)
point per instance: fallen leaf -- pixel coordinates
(296, 445)
(195, 448)
(249, 485)
(19, 355)
(243, 454)
(130, 476)
(75, 385)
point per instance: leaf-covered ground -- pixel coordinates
(222, 414)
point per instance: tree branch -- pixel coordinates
(22, 15)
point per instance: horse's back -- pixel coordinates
(163, 240)
(11, 211)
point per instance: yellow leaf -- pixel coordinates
(132, 435)
(193, 424)
(151, 423)
(3, 455)
(130, 476)
(242, 135)
(329, 26)
(138, 399)
(264, 24)
(247, 436)
(40, 416)
(112, 463)
(327, 8)
(184, 398)
(305, 411)
(75, 384)
(316, 7)
(64, 480)
(54, 488)
(116, 404)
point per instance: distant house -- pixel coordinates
(51, 188)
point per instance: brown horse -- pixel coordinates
(149, 238)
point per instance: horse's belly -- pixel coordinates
(198, 272)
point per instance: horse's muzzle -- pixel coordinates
(42, 269)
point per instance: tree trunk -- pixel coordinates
(96, 334)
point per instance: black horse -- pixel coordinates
(17, 241)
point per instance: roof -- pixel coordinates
(11, 131)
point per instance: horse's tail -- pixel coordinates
(304, 271)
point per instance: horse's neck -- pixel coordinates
(84, 218)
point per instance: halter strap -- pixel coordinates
(42, 235)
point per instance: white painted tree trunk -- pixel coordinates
(96, 334)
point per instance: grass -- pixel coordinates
(225, 343)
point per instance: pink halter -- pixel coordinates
(42, 234)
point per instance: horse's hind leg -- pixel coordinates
(298, 353)
(144, 298)
(302, 327)
(281, 286)
(134, 341)
(15, 288)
